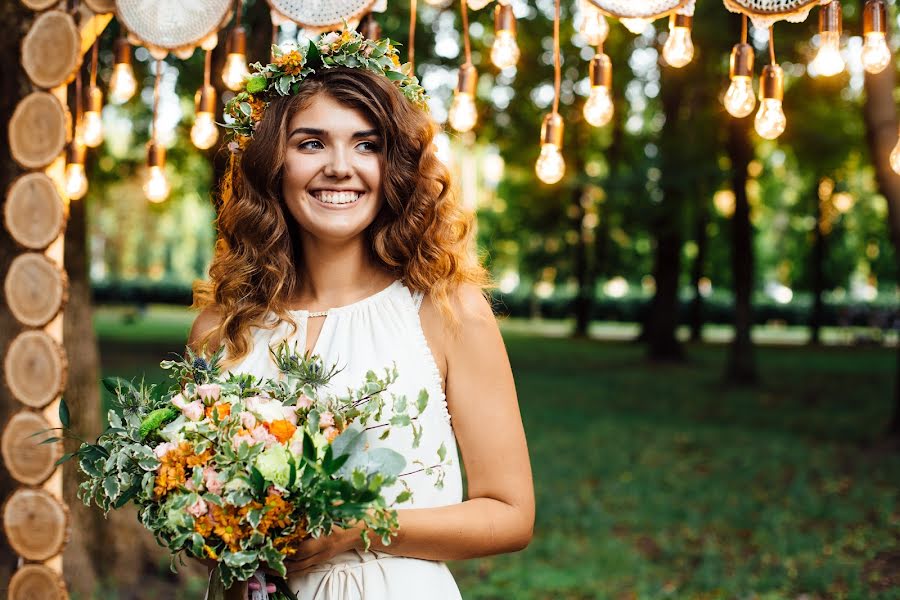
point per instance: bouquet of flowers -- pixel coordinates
(239, 470)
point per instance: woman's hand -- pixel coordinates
(314, 551)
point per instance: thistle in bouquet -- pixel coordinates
(236, 469)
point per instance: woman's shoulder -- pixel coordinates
(204, 331)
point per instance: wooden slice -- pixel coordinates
(37, 130)
(36, 289)
(101, 6)
(36, 523)
(34, 212)
(35, 368)
(27, 460)
(39, 4)
(37, 582)
(51, 50)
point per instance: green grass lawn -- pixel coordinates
(661, 481)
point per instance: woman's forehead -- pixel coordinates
(325, 113)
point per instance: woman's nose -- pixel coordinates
(338, 165)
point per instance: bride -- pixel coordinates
(338, 230)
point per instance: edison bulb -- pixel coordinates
(876, 55)
(235, 71)
(122, 84)
(679, 48)
(635, 25)
(91, 129)
(739, 99)
(156, 186)
(895, 158)
(505, 51)
(828, 60)
(770, 120)
(550, 165)
(594, 27)
(76, 181)
(463, 114)
(598, 110)
(204, 132)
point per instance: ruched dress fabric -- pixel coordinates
(377, 332)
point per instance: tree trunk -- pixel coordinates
(881, 134)
(741, 366)
(702, 240)
(818, 277)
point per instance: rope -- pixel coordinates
(557, 67)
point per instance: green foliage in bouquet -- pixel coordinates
(239, 470)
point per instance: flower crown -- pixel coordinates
(292, 64)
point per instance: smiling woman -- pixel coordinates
(338, 208)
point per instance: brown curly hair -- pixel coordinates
(421, 234)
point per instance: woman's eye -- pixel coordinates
(369, 146)
(311, 145)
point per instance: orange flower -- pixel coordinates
(282, 429)
(290, 63)
(222, 408)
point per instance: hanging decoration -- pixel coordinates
(876, 55)
(770, 120)
(176, 26)
(91, 120)
(318, 17)
(828, 60)
(463, 113)
(122, 84)
(156, 186)
(740, 100)
(679, 48)
(76, 183)
(550, 166)
(204, 131)
(505, 49)
(598, 110)
(764, 13)
(592, 25)
(236, 61)
(637, 16)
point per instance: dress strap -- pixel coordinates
(417, 298)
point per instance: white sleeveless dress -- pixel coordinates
(371, 334)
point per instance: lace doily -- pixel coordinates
(638, 9)
(171, 24)
(764, 13)
(322, 15)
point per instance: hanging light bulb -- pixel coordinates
(593, 25)
(895, 158)
(505, 50)
(205, 132)
(770, 120)
(550, 166)
(236, 62)
(679, 49)
(156, 186)
(828, 60)
(598, 110)
(635, 25)
(76, 182)
(463, 114)
(739, 99)
(122, 84)
(91, 128)
(876, 55)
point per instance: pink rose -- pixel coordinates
(211, 480)
(261, 434)
(163, 449)
(241, 438)
(304, 402)
(198, 508)
(326, 420)
(194, 410)
(179, 401)
(331, 38)
(209, 392)
(330, 433)
(248, 420)
(290, 414)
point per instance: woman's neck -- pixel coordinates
(337, 275)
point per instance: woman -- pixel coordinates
(338, 231)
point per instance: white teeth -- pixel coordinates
(329, 197)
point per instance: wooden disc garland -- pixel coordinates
(36, 289)
(37, 130)
(27, 459)
(172, 24)
(321, 14)
(35, 368)
(36, 582)
(51, 50)
(36, 523)
(101, 6)
(40, 4)
(34, 213)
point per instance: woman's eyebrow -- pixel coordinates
(366, 133)
(307, 131)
